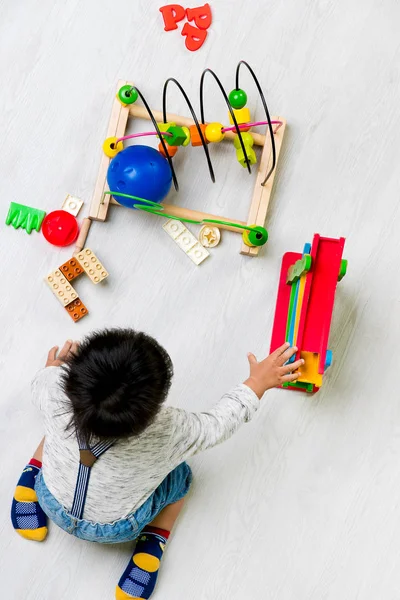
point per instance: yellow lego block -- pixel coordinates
(309, 371)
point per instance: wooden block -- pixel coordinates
(76, 310)
(262, 194)
(91, 265)
(72, 204)
(71, 269)
(61, 287)
(116, 128)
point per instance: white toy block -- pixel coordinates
(186, 241)
(72, 204)
(174, 228)
(61, 287)
(198, 253)
(91, 265)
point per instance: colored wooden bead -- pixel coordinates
(247, 139)
(195, 136)
(172, 14)
(238, 98)
(214, 132)
(195, 37)
(242, 116)
(172, 150)
(201, 16)
(257, 236)
(251, 156)
(164, 126)
(111, 148)
(178, 136)
(187, 133)
(127, 95)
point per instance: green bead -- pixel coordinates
(238, 98)
(127, 94)
(247, 139)
(178, 136)
(258, 236)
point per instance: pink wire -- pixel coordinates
(134, 135)
(243, 125)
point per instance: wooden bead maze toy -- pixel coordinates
(176, 132)
(304, 306)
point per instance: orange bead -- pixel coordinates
(195, 136)
(172, 150)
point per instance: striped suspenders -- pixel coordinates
(88, 457)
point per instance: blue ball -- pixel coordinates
(139, 171)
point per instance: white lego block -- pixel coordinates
(186, 241)
(91, 265)
(72, 204)
(198, 253)
(61, 287)
(174, 228)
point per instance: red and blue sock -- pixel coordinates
(27, 517)
(140, 576)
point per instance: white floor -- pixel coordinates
(304, 503)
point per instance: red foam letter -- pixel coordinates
(194, 37)
(201, 16)
(172, 13)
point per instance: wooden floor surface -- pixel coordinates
(304, 503)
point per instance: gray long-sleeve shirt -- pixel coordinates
(127, 474)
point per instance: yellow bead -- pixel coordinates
(247, 138)
(111, 148)
(242, 115)
(214, 132)
(164, 126)
(187, 131)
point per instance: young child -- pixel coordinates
(111, 467)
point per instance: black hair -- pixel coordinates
(116, 382)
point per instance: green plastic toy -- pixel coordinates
(25, 217)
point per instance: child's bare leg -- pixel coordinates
(167, 517)
(27, 516)
(140, 576)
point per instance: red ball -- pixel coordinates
(60, 228)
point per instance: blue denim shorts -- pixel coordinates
(173, 488)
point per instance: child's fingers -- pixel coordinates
(252, 359)
(288, 353)
(52, 353)
(65, 350)
(291, 377)
(280, 350)
(292, 366)
(74, 348)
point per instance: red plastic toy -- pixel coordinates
(172, 14)
(200, 15)
(195, 37)
(60, 228)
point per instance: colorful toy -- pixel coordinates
(209, 236)
(186, 241)
(139, 171)
(25, 217)
(59, 281)
(200, 133)
(195, 36)
(304, 306)
(60, 228)
(172, 14)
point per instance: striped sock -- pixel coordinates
(27, 517)
(140, 576)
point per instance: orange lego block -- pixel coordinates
(195, 135)
(76, 310)
(172, 150)
(71, 269)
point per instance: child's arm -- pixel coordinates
(45, 379)
(194, 432)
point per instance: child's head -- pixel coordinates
(116, 383)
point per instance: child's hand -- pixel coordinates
(272, 371)
(66, 351)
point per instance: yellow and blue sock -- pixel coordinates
(140, 576)
(27, 517)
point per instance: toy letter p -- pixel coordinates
(172, 14)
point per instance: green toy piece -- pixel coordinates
(237, 98)
(178, 136)
(299, 268)
(127, 94)
(343, 269)
(24, 216)
(302, 385)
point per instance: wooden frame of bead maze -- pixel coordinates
(262, 190)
